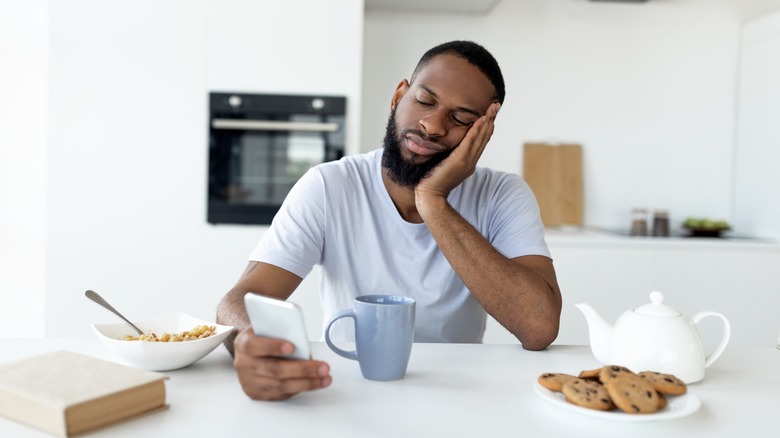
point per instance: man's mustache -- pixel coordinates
(424, 136)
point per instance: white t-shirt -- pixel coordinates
(339, 215)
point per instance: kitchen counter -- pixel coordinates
(602, 237)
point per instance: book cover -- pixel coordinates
(67, 393)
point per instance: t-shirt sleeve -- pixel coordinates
(516, 228)
(295, 239)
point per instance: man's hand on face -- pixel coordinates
(462, 161)
(266, 374)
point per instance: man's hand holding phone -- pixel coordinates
(266, 363)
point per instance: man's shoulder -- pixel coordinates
(359, 164)
(481, 170)
(487, 188)
(485, 176)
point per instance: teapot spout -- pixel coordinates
(601, 334)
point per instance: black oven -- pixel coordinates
(260, 144)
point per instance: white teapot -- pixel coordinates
(654, 337)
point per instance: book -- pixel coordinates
(67, 393)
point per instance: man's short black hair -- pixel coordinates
(475, 55)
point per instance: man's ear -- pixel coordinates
(400, 90)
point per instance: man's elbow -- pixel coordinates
(541, 339)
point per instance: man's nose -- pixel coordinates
(434, 123)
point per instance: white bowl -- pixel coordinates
(160, 356)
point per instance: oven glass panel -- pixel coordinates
(253, 165)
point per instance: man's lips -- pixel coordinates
(421, 147)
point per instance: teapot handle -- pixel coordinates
(723, 342)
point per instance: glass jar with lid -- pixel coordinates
(661, 223)
(639, 222)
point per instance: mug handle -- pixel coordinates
(349, 313)
(709, 360)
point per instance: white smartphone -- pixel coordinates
(278, 319)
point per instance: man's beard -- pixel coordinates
(401, 171)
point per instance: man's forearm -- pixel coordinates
(258, 278)
(231, 311)
(521, 299)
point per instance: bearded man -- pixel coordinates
(416, 217)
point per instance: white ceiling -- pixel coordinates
(456, 6)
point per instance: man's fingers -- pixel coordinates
(487, 126)
(481, 131)
(272, 389)
(280, 379)
(287, 368)
(266, 374)
(258, 346)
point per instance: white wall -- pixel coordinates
(758, 139)
(23, 118)
(126, 145)
(649, 89)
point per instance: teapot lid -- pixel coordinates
(657, 306)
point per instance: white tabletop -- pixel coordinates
(451, 390)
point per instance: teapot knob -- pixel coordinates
(657, 306)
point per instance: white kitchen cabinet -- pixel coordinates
(614, 273)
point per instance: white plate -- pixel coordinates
(677, 406)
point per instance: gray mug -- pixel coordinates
(384, 333)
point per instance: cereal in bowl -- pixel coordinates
(198, 332)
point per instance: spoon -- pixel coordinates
(92, 295)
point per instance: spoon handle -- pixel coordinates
(92, 295)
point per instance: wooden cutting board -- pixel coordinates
(554, 172)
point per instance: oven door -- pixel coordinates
(254, 163)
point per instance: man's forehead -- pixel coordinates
(452, 77)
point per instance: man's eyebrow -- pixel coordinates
(460, 108)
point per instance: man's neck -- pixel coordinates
(403, 199)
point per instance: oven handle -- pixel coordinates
(270, 125)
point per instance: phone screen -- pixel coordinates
(278, 319)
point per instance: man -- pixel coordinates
(416, 218)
